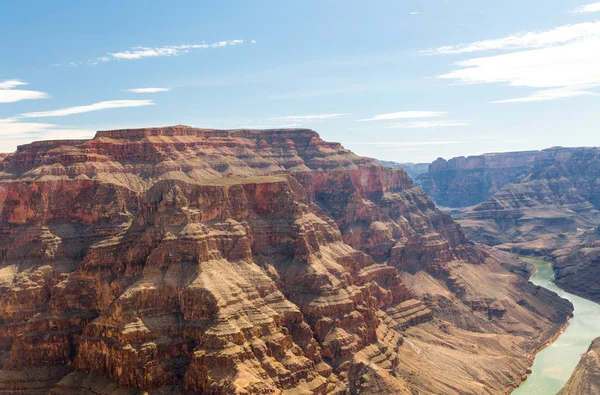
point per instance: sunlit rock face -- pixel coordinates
(183, 260)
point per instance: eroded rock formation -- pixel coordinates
(247, 262)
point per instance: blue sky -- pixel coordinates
(398, 80)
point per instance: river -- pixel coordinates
(553, 365)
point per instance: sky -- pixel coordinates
(406, 81)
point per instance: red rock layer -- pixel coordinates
(244, 262)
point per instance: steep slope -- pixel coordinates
(586, 377)
(577, 265)
(247, 262)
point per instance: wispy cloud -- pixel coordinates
(587, 8)
(14, 133)
(428, 124)
(259, 126)
(147, 90)
(549, 94)
(137, 53)
(10, 84)
(524, 40)
(8, 93)
(407, 143)
(308, 118)
(562, 63)
(405, 115)
(104, 105)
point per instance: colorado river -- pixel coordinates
(553, 365)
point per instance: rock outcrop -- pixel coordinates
(586, 377)
(183, 260)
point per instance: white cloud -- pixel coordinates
(587, 8)
(428, 124)
(137, 53)
(104, 105)
(14, 133)
(290, 125)
(147, 90)
(414, 13)
(563, 67)
(10, 95)
(525, 40)
(170, 50)
(309, 118)
(407, 143)
(9, 84)
(405, 115)
(547, 95)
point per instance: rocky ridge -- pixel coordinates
(183, 260)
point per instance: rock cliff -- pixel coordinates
(466, 181)
(557, 199)
(528, 202)
(586, 377)
(577, 265)
(183, 260)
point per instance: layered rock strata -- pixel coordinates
(182, 260)
(528, 202)
(466, 181)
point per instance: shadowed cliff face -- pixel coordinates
(466, 181)
(530, 202)
(577, 265)
(247, 262)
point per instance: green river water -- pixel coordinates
(553, 365)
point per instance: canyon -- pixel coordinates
(534, 203)
(539, 203)
(186, 260)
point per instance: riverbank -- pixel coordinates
(553, 364)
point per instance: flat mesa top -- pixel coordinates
(183, 130)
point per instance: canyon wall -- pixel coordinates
(183, 260)
(466, 181)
